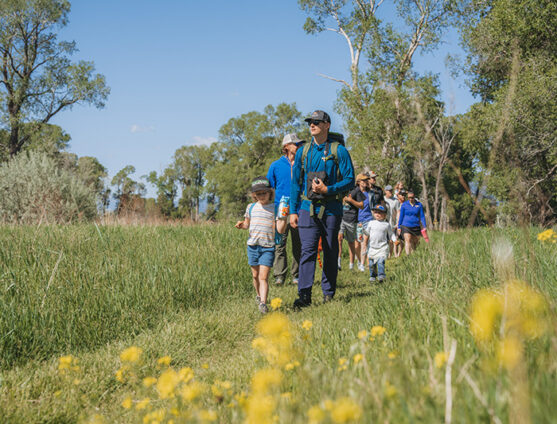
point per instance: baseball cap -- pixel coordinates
(260, 184)
(372, 174)
(389, 188)
(291, 139)
(361, 177)
(379, 208)
(319, 115)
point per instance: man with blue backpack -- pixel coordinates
(321, 176)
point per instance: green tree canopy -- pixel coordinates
(37, 77)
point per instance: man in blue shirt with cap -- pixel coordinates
(321, 176)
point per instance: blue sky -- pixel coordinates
(179, 69)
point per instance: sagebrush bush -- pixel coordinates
(33, 188)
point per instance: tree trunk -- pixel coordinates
(425, 196)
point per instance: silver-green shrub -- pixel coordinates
(33, 188)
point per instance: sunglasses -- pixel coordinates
(314, 122)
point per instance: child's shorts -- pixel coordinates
(259, 255)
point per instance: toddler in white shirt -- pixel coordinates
(380, 233)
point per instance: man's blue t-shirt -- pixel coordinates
(314, 163)
(280, 177)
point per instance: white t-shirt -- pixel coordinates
(394, 206)
(380, 232)
(261, 224)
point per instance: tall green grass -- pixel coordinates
(186, 292)
(73, 288)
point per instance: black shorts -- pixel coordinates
(415, 231)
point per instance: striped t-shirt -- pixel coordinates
(261, 224)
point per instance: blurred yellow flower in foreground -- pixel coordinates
(357, 358)
(345, 410)
(149, 381)
(307, 324)
(266, 379)
(391, 355)
(509, 352)
(127, 403)
(440, 359)
(276, 303)
(131, 354)
(205, 366)
(362, 334)
(165, 361)
(142, 404)
(377, 330)
(191, 391)
(390, 390)
(275, 341)
(548, 235)
(167, 383)
(205, 415)
(316, 415)
(68, 363)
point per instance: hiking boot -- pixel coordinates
(381, 279)
(304, 299)
(372, 279)
(339, 268)
(263, 308)
(327, 298)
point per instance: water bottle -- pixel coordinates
(284, 207)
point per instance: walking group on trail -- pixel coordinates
(312, 194)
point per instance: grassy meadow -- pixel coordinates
(182, 298)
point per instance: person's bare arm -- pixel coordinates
(242, 225)
(281, 226)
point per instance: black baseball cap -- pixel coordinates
(319, 115)
(260, 184)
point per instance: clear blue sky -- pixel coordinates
(178, 70)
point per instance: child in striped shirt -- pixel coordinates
(260, 219)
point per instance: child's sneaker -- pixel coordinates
(263, 308)
(351, 266)
(372, 279)
(339, 264)
(381, 279)
(361, 267)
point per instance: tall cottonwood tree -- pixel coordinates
(512, 68)
(37, 78)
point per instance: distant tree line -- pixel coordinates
(497, 163)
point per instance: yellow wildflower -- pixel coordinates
(217, 392)
(315, 415)
(205, 415)
(328, 405)
(548, 235)
(191, 391)
(186, 374)
(149, 381)
(259, 409)
(390, 390)
(120, 374)
(241, 398)
(57, 393)
(377, 330)
(362, 334)
(487, 307)
(265, 379)
(155, 416)
(509, 352)
(205, 366)
(345, 410)
(289, 366)
(131, 354)
(440, 359)
(276, 303)
(358, 357)
(127, 403)
(391, 355)
(142, 404)
(307, 324)
(76, 381)
(343, 364)
(167, 383)
(275, 341)
(164, 361)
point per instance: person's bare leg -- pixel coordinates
(352, 251)
(408, 243)
(255, 279)
(340, 238)
(364, 250)
(263, 282)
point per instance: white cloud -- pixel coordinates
(197, 140)
(135, 128)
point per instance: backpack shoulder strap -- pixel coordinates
(251, 208)
(303, 158)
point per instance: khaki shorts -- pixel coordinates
(348, 230)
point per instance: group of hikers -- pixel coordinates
(312, 194)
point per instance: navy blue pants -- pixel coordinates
(311, 229)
